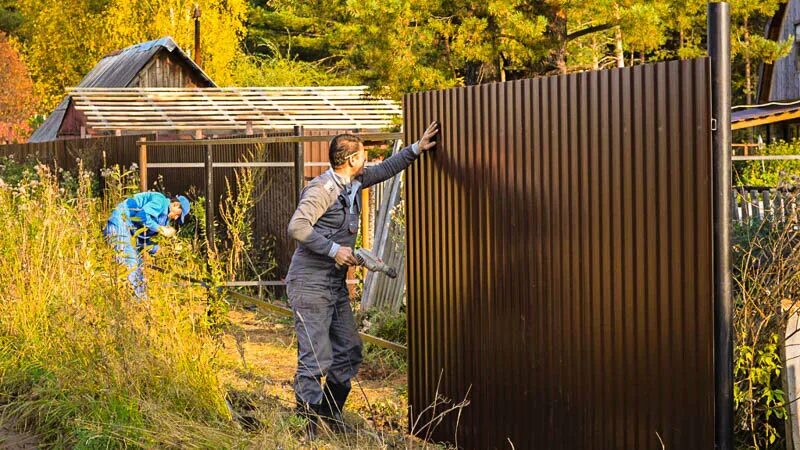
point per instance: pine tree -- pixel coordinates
(748, 45)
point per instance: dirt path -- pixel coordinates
(262, 356)
(12, 440)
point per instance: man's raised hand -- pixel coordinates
(426, 142)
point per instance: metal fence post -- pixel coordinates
(719, 51)
(210, 229)
(299, 164)
(142, 164)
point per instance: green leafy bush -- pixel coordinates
(769, 173)
(766, 269)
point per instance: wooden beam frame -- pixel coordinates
(234, 109)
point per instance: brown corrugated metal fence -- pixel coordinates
(560, 261)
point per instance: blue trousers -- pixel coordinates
(119, 236)
(328, 343)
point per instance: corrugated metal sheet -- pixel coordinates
(559, 261)
(117, 69)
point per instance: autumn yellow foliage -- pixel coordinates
(64, 39)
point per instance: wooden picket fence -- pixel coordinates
(759, 203)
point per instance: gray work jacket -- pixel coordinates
(326, 218)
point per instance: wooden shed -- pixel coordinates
(158, 63)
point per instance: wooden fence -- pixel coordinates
(92, 153)
(381, 291)
(278, 157)
(749, 203)
(177, 167)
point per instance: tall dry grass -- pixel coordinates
(85, 365)
(81, 362)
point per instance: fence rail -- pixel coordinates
(281, 156)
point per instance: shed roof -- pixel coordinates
(117, 69)
(235, 109)
(746, 116)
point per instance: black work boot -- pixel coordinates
(311, 413)
(333, 405)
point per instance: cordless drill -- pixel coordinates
(371, 262)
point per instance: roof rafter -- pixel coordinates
(328, 107)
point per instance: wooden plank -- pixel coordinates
(769, 213)
(282, 89)
(142, 164)
(228, 126)
(280, 139)
(224, 108)
(758, 209)
(178, 165)
(210, 115)
(745, 205)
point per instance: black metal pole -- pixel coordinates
(299, 164)
(210, 231)
(719, 51)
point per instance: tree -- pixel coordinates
(601, 32)
(282, 70)
(748, 45)
(17, 101)
(62, 40)
(401, 45)
(222, 28)
(10, 17)
(686, 29)
(501, 37)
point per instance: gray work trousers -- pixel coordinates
(328, 343)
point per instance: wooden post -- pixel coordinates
(142, 164)
(198, 56)
(248, 128)
(210, 230)
(299, 165)
(366, 227)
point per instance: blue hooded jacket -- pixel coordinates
(148, 210)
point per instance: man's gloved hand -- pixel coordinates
(166, 231)
(344, 257)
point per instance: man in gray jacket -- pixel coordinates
(325, 226)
